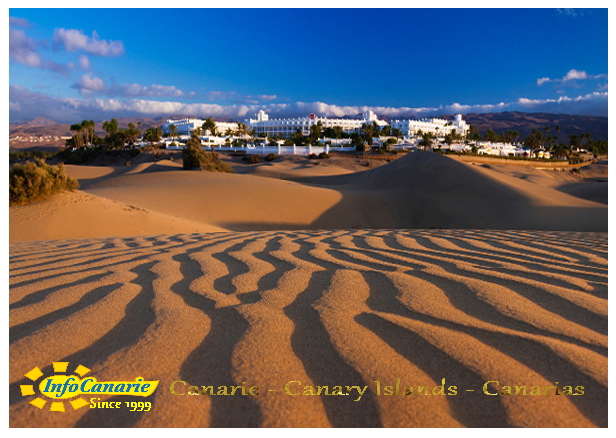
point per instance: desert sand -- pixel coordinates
(328, 278)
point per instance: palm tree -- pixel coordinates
(368, 130)
(88, 128)
(210, 126)
(471, 130)
(298, 137)
(573, 141)
(315, 131)
(153, 135)
(515, 135)
(110, 127)
(491, 136)
(173, 130)
(588, 140)
(337, 131)
(547, 132)
(132, 133)
(78, 129)
(242, 129)
(122, 135)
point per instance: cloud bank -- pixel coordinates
(25, 104)
(89, 85)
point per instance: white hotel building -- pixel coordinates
(440, 127)
(287, 127)
(187, 126)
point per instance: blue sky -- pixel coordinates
(72, 64)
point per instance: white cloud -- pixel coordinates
(575, 74)
(138, 90)
(264, 97)
(589, 104)
(25, 104)
(73, 40)
(21, 22)
(84, 63)
(570, 12)
(88, 85)
(22, 48)
(221, 95)
(543, 80)
(63, 69)
(572, 76)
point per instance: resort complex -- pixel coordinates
(411, 128)
(287, 127)
(283, 136)
(263, 126)
(187, 126)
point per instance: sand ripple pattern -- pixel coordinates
(323, 308)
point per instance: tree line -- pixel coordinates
(542, 139)
(115, 137)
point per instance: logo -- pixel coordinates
(73, 386)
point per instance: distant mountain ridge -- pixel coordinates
(522, 122)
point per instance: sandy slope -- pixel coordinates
(323, 308)
(224, 200)
(77, 215)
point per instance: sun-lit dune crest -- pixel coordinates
(324, 308)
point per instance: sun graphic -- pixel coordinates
(58, 367)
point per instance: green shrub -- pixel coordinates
(253, 159)
(194, 157)
(98, 155)
(31, 154)
(323, 155)
(270, 157)
(313, 156)
(34, 181)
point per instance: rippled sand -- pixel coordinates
(323, 308)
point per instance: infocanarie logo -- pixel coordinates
(64, 385)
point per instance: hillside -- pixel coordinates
(524, 123)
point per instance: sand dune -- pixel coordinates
(323, 308)
(77, 215)
(225, 201)
(426, 190)
(420, 190)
